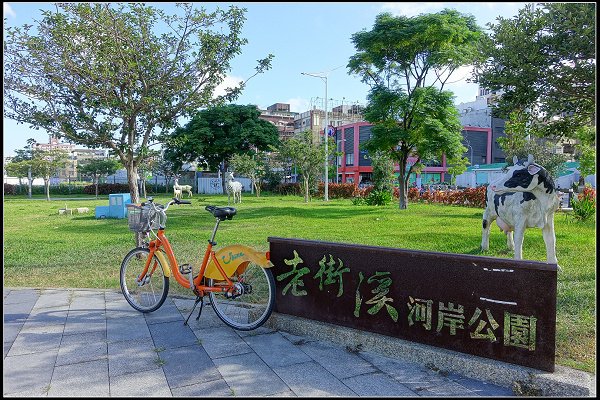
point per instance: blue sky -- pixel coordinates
(304, 37)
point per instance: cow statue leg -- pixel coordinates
(485, 231)
(510, 243)
(519, 235)
(550, 240)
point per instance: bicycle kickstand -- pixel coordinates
(198, 300)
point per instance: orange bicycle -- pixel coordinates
(236, 278)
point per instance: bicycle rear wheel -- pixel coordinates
(252, 303)
(148, 293)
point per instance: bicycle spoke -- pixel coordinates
(149, 293)
(253, 307)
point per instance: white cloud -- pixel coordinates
(298, 104)
(228, 82)
(411, 9)
(8, 11)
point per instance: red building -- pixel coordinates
(354, 164)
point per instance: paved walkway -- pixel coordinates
(71, 342)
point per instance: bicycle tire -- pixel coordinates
(153, 292)
(251, 309)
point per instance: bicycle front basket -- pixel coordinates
(141, 219)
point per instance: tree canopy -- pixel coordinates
(307, 156)
(214, 135)
(407, 61)
(98, 168)
(544, 61)
(116, 75)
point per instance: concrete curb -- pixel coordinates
(523, 381)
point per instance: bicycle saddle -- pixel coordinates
(222, 213)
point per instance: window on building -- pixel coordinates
(349, 158)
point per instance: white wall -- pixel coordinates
(213, 185)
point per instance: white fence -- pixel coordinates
(213, 185)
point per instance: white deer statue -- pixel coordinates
(233, 188)
(182, 188)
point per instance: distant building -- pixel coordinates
(314, 119)
(481, 130)
(77, 156)
(279, 114)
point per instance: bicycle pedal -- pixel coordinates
(185, 269)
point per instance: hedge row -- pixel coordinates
(469, 197)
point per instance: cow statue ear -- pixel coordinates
(533, 169)
(515, 160)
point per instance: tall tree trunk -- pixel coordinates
(133, 191)
(223, 169)
(306, 194)
(30, 182)
(402, 186)
(256, 183)
(96, 183)
(47, 187)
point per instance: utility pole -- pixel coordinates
(323, 77)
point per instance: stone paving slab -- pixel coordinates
(248, 375)
(82, 379)
(91, 343)
(152, 383)
(131, 356)
(221, 342)
(28, 373)
(184, 366)
(310, 379)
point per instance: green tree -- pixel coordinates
(217, 133)
(456, 167)
(21, 164)
(586, 154)
(99, 168)
(407, 61)
(145, 170)
(19, 169)
(544, 61)
(383, 172)
(250, 165)
(115, 75)
(307, 156)
(166, 168)
(46, 163)
(520, 141)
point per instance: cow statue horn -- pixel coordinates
(515, 160)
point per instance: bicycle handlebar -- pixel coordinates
(163, 208)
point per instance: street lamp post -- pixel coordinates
(324, 79)
(469, 146)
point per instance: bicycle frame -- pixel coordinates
(161, 244)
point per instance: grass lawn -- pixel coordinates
(44, 249)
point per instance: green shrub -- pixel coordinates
(107, 188)
(379, 198)
(10, 189)
(584, 205)
(358, 201)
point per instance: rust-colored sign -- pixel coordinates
(497, 308)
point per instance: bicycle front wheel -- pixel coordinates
(144, 293)
(251, 304)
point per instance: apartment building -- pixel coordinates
(76, 156)
(279, 114)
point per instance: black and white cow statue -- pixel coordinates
(524, 197)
